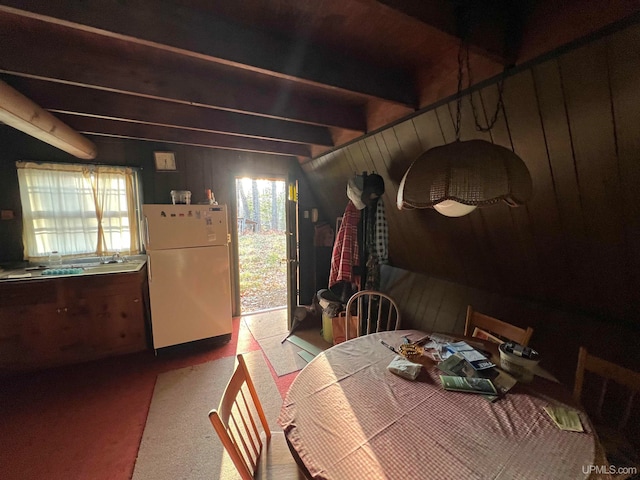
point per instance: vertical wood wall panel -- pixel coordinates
(575, 264)
(466, 245)
(574, 121)
(624, 64)
(404, 146)
(397, 234)
(507, 252)
(392, 153)
(543, 232)
(586, 85)
(526, 267)
(428, 130)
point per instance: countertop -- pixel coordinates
(89, 266)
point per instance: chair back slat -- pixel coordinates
(627, 411)
(370, 309)
(240, 442)
(495, 327)
(251, 429)
(235, 423)
(241, 426)
(249, 435)
(603, 393)
(608, 372)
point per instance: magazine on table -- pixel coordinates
(457, 365)
(469, 385)
(477, 360)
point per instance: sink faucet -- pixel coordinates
(115, 258)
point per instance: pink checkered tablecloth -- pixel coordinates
(348, 417)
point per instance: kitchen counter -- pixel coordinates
(52, 320)
(89, 266)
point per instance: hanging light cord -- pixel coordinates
(463, 57)
(499, 105)
(459, 96)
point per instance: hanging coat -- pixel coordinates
(345, 254)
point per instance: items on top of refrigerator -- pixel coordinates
(211, 198)
(181, 197)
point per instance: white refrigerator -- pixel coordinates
(189, 277)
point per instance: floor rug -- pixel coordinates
(310, 340)
(269, 329)
(283, 356)
(267, 324)
(178, 440)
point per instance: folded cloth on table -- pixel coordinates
(404, 368)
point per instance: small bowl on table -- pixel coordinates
(518, 360)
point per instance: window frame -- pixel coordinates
(93, 187)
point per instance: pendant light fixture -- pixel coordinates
(456, 178)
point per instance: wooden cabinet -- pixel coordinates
(57, 321)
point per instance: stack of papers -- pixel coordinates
(475, 358)
(456, 365)
(564, 418)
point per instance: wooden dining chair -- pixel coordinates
(256, 454)
(370, 311)
(610, 423)
(490, 328)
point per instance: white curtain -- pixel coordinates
(77, 209)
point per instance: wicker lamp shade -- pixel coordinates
(457, 177)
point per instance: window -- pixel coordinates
(78, 210)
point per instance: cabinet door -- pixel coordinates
(49, 336)
(15, 353)
(59, 321)
(117, 324)
(37, 326)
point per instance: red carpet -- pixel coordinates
(86, 421)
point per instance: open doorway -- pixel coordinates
(262, 243)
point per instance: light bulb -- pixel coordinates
(451, 208)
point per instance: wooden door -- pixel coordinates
(292, 247)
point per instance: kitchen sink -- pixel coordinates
(82, 266)
(120, 267)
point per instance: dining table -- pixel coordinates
(347, 416)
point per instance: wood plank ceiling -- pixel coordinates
(285, 77)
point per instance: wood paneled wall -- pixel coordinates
(574, 121)
(197, 169)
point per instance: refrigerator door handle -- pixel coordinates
(149, 274)
(146, 232)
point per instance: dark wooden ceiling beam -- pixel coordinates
(83, 59)
(494, 26)
(114, 128)
(58, 97)
(554, 24)
(197, 34)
